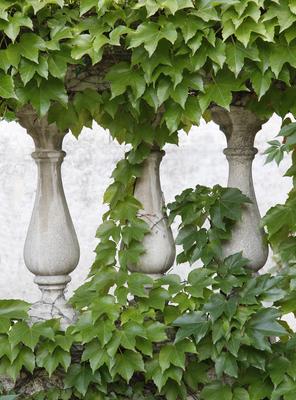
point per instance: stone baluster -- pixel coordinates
(51, 249)
(159, 243)
(240, 127)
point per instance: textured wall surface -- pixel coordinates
(86, 173)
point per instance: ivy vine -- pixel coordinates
(144, 70)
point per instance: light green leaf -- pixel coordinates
(6, 87)
(216, 391)
(175, 354)
(79, 376)
(220, 90)
(57, 64)
(87, 5)
(40, 97)
(14, 309)
(240, 394)
(15, 22)
(226, 364)
(30, 45)
(150, 33)
(236, 55)
(22, 333)
(122, 76)
(127, 363)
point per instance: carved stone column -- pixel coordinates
(51, 250)
(240, 127)
(159, 244)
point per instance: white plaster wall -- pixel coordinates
(86, 172)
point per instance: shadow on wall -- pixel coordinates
(86, 174)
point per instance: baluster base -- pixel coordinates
(53, 303)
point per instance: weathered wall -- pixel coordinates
(86, 172)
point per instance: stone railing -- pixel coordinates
(51, 248)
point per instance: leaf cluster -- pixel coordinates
(140, 338)
(158, 65)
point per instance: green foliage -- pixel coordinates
(159, 64)
(162, 339)
(144, 70)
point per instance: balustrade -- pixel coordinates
(240, 127)
(51, 249)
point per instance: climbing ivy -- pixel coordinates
(157, 64)
(136, 337)
(144, 70)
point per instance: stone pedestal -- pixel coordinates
(51, 250)
(159, 244)
(240, 127)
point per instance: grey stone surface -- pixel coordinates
(86, 173)
(51, 249)
(240, 127)
(159, 245)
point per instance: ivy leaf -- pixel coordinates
(228, 206)
(175, 354)
(150, 33)
(6, 87)
(164, 89)
(122, 76)
(236, 54)
(26, 358)
(192, 110)
(282, 13)
(15, 22)
(108, 229)
(50, 359)
(281, 53)
(172, 115)
(115, 35)
(79, 376)
(40, 97)
(156, 332)
(57, 64)
(27, 69)
(261, 81)
(288, 130)
(215, 306)
(4, 325)
(14, 309)
(277, 369)
(275, 152)
(87, 5)
(46, 329)
(127, 363)
(240, 394)
(22, 333)
(265, 323)
(189, 25)
(226, 363)
(30, 45)
(280, 218)
(175, 5)
(96, 356)
(220, 90)
(194, 323)
(136, 232)
(137, 284)
(216, 391)
(247, 28)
